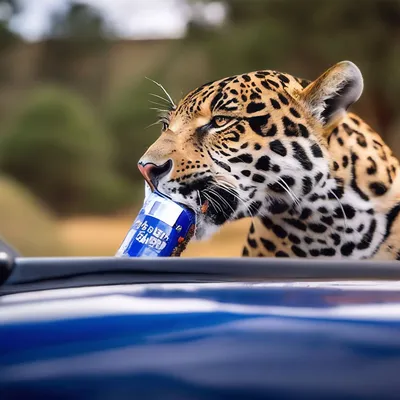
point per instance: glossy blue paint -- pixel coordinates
(204, 341)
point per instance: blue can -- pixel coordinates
(162, 229)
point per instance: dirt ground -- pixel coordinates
(97, 236)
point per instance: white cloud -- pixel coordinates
(144, 19)
(212, 13)
(129, 18)
(33, 23)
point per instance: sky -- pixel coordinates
(137, 19)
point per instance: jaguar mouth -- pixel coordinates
(218, 203)
(213, 203)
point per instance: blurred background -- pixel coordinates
(75, 105)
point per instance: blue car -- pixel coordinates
(178, 328)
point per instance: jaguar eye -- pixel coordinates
(219, 122)
(164, 123)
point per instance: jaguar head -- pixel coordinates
(249, 144)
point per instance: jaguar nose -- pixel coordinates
(153, 173)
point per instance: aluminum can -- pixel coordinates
(162, 229)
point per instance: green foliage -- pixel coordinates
(81, 22)
(7, 38)
(129, 120)
(57, 147)
(8, 8)
(26, 224)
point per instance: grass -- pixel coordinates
(25, 222)
(99, 236)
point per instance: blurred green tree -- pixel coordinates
(8, 9)
(129, 119)
(80, 22)
(59, 149)
(75, 51)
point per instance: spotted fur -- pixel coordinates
(316, 180)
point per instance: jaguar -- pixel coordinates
(316, 180)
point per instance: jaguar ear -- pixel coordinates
(333, 92)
